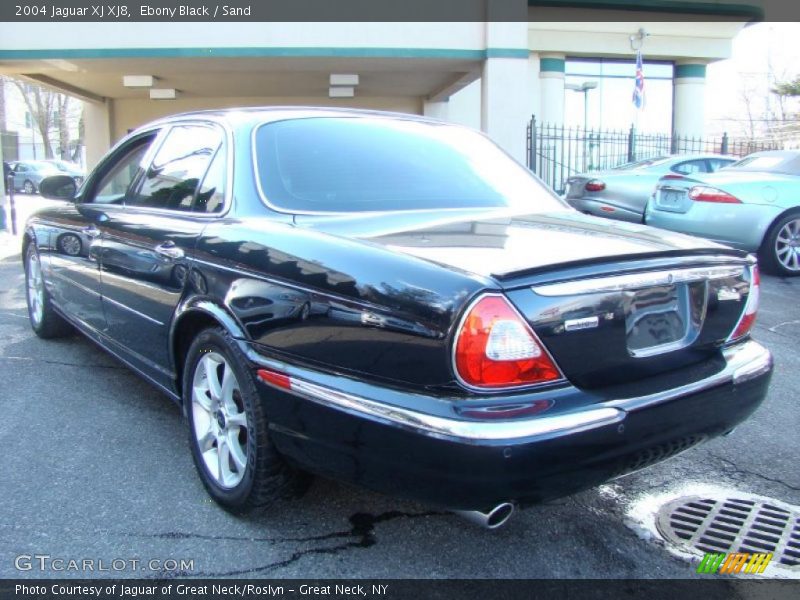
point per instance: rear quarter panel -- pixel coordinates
(332, 303)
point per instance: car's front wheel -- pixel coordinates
(228, 430)
(780, 252)
(45, 321)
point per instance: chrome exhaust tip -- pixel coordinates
(492, 519)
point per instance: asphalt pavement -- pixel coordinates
(96, 466)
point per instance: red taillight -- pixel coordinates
(496, 348)
(594, 185)
(702, 193)
(748, 318)
(673, 176)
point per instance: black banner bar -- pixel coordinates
(395, 10)
(712, 588)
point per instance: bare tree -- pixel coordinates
(2, 103)
(75, 156)
(40, 103)
(53, 114)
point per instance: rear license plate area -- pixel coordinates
(662, 319)
(671, 199)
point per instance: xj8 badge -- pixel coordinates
(585, 323)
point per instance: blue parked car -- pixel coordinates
(753, 205)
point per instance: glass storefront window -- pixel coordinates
(609, 105)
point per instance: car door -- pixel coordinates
(76, 229)
(19, 171)
(147, 245)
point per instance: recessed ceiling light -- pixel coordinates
(343, 79)
(341, 92)
(138, 80)
(163, 94)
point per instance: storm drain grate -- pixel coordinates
(733, 525)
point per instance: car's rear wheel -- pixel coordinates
(28, 187)
(45, 321)
(780, 252)
(228, 429)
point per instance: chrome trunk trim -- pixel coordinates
(636, 281)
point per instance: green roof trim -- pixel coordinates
(249, 52)
(754, 12)
(507, 53)
(552, 65)
(698, 71)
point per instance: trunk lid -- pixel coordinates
(505, 244)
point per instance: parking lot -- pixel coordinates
(97, 466)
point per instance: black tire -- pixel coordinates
(28, 187)
(769, 257)
(267, 477)
(44, 320)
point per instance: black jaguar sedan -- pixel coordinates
(394, 302)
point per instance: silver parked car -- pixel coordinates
(622, 192)
(29, 173)
(753, 205)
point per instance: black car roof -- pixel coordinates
(259, 114)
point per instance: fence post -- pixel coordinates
(632, 144)
(12, 213)
(532, 148)
(724, 146)
(673, 143)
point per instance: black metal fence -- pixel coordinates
(556, 152)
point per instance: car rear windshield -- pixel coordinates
(770, 163)
(355, 164)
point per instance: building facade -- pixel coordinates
(488, 75)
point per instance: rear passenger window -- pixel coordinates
(690, 166)
(178, 167)
(716, 163)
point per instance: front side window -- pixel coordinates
(354, 164)
(125, 166)
(177, 168)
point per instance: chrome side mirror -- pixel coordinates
(58, 187)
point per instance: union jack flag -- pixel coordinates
(638, 89)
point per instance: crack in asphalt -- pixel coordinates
(774, 328)
(64, 363)
(10, 314)
(362, 532)
(745, 472)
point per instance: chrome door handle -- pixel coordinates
(169, 250)
(91, 231)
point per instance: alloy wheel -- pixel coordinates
(219, 420)
(35, 289)
(71, 245)
(29, 189)
(787, 246)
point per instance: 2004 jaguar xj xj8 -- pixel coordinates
(394, 302)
